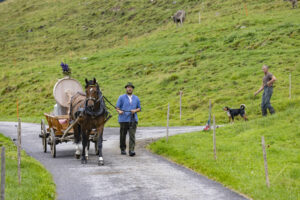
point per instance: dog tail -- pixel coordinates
(243, 106)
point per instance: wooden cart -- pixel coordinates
(60, 130)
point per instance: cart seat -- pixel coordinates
(63, 121)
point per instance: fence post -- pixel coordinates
(3, 173)
(168, 122)
(19, 150)
(214, 138)
(126, 40)
(209, 119)
(199, 18)
(17, 109)
(180, 103)
(290, 89)
(246, 10)
(265, 160)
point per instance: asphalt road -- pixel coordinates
(145, 176)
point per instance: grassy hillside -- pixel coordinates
(219, 59)
(36, 181)
(239, 163)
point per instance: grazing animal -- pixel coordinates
(91, 110)
(293, 2)
(235, 112)
(179, 17)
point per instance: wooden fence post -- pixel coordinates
(3, 173)
(180, 103)
(19, 151)
(265, 160)
(246, 10)
(126, 40)
(199, 18)
(168, 117)
(17, 109)
(209, 119)
(214, 138)
(290, 89)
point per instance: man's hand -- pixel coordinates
(120, 112)
(269, 83)
(255, 93)
(133, 111)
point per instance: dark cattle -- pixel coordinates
(293, 2)
(179, 17)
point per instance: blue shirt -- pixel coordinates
(124, 104)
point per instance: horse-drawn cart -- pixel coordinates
(60, 129)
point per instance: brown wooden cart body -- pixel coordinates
(58, 132)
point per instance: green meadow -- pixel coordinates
(239, 164)
(36, 181)
(218, 59)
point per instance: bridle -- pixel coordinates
(95, 100)
(90, 111)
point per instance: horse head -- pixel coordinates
(92, 93)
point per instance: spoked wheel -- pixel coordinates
(53, 143)
(44, 135)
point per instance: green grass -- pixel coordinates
(239, 163)
(36, 181)
(219, 59)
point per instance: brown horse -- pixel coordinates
(91, 110)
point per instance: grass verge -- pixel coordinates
(239, 163)
(36, 181)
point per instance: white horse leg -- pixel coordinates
(101, 161)
(100, 140)
(86, 153)
(77, 152)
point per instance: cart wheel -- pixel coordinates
(44, 135)
(96, 148)
(53, 143)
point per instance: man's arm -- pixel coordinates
(119, 104)
(260, 89)
(271, 81)
(135, 110)
(138, 109)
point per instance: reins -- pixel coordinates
(113, 105)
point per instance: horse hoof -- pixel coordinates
(100, 162)
(77, 156)
(86, 157)
(83, 161)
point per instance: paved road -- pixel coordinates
(145, 176)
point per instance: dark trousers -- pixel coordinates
(124, 128)
(265, 103)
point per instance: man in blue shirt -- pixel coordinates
(127, 106)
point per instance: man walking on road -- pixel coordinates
(127, 106)
(267, 86)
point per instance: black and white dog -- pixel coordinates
(235, 112)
